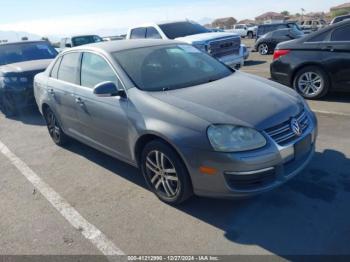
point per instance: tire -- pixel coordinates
(264, 49)
(250, 35)
(8, 105)
(54, 128)
(165, 173)
(311, 82)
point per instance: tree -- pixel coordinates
(285, 13)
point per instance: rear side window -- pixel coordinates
(69, 68)
(95, 70)
(341, 34)
(280, 33)
(152, 33)
(138, 33)
(54, 71)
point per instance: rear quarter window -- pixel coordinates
(138, 33)
(341, 34)
(69, 68)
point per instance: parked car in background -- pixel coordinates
(309, 26)
(73, 41)
(156, 104)
(317, 63)
(226, 47)
(244, 30)
(267, 28)
(340, 18)
(267, 43)
(19, 63)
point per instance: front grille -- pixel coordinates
(283, 134)
(224, 47)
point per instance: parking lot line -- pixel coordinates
(89, 231)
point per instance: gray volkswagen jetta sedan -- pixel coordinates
(191, 124)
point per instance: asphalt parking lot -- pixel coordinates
(115, 213)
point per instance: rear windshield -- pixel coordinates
(84, 40)
(181, 29)
(170, 67)
(15, 53)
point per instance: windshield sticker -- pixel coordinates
(189, 49)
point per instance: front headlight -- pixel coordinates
(231, 138)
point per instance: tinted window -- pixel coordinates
(280, 33)
(138, 33)
(20, 52)
(152, 33)
(320, 37)
(170, 67)
(69, 68)
(341, 34)
(181, 29)
(54, 71)
(84, 40)
(95, 70)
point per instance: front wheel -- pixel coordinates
(165, 173)
(250, 35)
(263, 49)
(8, 105)
(54, 128)
(311, 82)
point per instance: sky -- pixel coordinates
(67, 17)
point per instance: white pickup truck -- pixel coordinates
(226, 47)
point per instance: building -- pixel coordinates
(224, 23)
(270, 17)
(247, 22)
(340, 9)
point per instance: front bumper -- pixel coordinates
(247, 174)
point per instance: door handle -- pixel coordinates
(79, 101)
(329, 48)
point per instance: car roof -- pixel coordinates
(115, 46)
(23, 42)
(274, 24)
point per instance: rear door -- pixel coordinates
(61, 89)
(103, 120)
(336, 54)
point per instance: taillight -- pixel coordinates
(278, 53)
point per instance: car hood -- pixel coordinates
(33, 65)
(240, 99)
(205, 37)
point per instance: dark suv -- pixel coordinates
(267, 28)
(19, 63)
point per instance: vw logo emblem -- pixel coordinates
(294, 124)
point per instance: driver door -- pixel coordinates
(103, 120)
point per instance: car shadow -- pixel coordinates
(341, 97)
(254, 62)
(308, 215)
(29, 116)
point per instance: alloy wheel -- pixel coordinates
(162, 174)
(263, 49)
(310, 84)
(53, 126)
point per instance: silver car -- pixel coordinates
(190, 123)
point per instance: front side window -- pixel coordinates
(138, 33)
(69, 68)
(181, 29)
(341, 34)
(95, 70)
(170, 67)
(21, 52)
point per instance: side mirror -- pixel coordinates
(68, 45)
(108, 89)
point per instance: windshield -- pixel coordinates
(20, 52)
(84, 40)
(181, 29)
(170, 67)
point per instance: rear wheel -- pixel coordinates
(54, 128)
(311, 82)
(8, 105)
(263, 49)
(165, 173)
